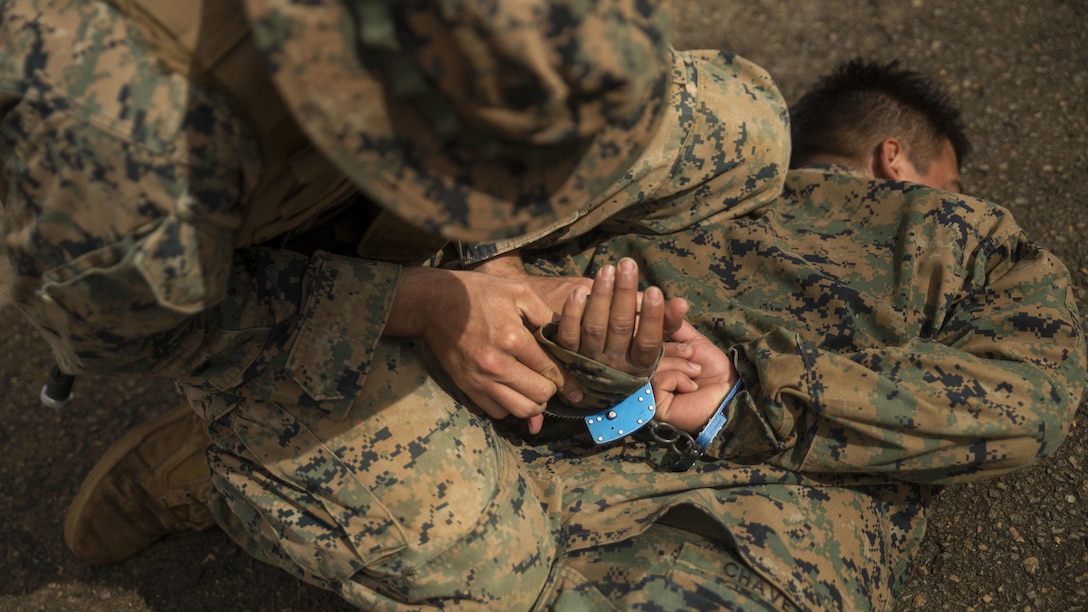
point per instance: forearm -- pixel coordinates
(424, 296)
(924, 412)
(992, 390)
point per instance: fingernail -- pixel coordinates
(627, 265)
(607, 272)
(578, 296)
(575, 395)
(653, 295)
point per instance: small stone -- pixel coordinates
(1031, 564)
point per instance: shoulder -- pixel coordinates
(86, 62)
(838, 193)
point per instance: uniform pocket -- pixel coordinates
(340, 323)
(293, 493)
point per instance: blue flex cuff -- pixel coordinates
(623, 419)
(711, 430)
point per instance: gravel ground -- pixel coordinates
(1016, 543)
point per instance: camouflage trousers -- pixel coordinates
(407, 499)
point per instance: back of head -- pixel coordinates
(847, 113)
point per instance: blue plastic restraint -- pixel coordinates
(623, 419)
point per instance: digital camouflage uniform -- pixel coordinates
(915, 338)
(890, 337)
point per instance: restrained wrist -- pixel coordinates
(711, 430)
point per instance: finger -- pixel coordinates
(673, 381)
(489, 404)
(621, 317)
(516, 360)
(646, 346)
(572, 392)
(535, 375)
(686, 333)
(569, 333)
(675, 311)
(595, 319)
(536, 423)
(534, 310)
(681, 350)
(684, 366)
(500, 400)
(691, 411)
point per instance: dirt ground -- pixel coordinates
(1020, 72)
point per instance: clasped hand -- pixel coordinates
(479, 325)
(619, 327)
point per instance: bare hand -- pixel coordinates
(480, 328)
(692, 379)
(608, 325)
(554, 290)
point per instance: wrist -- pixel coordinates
(419, 291)
(507, 265)
(710, 431)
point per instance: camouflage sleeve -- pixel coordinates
(124, 191)
(878, 327)
(993, 389)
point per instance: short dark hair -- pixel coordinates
(849, 111)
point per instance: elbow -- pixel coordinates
(1037, 440)
(1054, 425)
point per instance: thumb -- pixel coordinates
(536, 312)
(686, 333)
(536, 423)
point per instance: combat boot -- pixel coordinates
(152, 482)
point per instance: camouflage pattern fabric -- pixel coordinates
(125, 181)
(534, 108)
(879, 327)
(406, 496)
(890, 337)
(871, 376)
(408, 499)
(601, 385)
(143, 204)
(719, 156)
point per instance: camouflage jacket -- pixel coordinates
(880, 327)
(126, 186)
(889, 336)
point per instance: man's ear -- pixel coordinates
(890, 160)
